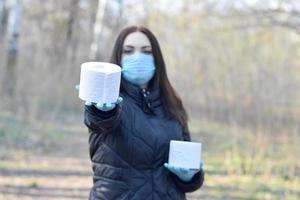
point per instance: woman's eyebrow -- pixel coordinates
(129, 46)
(145, 47)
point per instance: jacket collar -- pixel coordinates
(148, 99)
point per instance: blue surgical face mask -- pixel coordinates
(138, 68)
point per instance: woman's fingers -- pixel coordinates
(120, 99)
(105, 106)
(88, 103)
(77, 87)
(201, 164)
(100, 105)
(108, 105)
(171, 168)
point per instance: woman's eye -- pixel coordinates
(147, 52)
(127, 51)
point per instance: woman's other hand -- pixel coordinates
(184, 174)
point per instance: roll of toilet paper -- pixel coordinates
(185, 154)
(99, 82)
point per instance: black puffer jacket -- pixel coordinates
(128, 147)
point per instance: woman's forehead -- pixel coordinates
(137, 39)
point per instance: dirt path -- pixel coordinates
(42, 178)
(61, 173)
(59, 169)
(45, 178)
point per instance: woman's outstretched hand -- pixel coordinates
(184, 174)
(102, 106)
(105, 106)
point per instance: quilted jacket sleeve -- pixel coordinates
(192, 185)
(197, 180)
(102, 121)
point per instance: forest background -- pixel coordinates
(235, 63)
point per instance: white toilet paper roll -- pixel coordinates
(185, 154)
(99, 82)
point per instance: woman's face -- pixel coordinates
(136, 42)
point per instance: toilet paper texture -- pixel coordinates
(99, 82)
(185, 154)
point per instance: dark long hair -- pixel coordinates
(170, 98)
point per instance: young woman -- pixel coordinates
(129, 140)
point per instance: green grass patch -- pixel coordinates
(34, 185)
(248, 164)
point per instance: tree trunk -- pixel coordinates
(72, 36)
(13, 48)
(98, 27)
(3, 18)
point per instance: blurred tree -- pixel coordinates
(3, 18)
(98, 28)
(109, 19)
(71, 37)
(3, 28)
(14, 27)
(242, 68)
